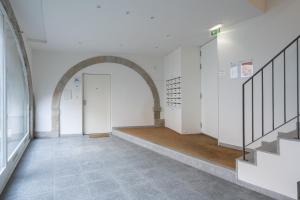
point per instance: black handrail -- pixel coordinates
(285, 121)
(290, 44)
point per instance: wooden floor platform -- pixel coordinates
(196, 145)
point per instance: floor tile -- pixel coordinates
(104, 186)
(117, 195)
(131, 179)
(64, 182)
(145, 192)
(74, 193)
(46, 196)
(95, 175)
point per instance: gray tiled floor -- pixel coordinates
(80, 168)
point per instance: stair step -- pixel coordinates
(271, 147)
(290, 135)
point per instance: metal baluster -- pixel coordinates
(273, 94)
(244, 147)
(298, 189)
(298, 134)
(262, 102)
(284, 85)
(252, 94)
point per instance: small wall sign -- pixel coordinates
(246, 69)
(77, 82)
(234, 71)
(215, 32)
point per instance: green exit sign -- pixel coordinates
(215, 32)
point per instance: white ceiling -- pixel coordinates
(78, 25)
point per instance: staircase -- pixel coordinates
(271, 135)
(274, 165)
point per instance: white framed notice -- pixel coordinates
(234, 71)
(246, 69)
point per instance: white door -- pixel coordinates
(209, 89)
(96, 103)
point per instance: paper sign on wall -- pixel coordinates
(246, 69)
(234, 71)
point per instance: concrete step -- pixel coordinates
(269, 147)
(289, 135)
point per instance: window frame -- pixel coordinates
(9, 161)
(7, 24)
(3, 151)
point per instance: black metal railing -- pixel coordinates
(261, 72)
(298, 190)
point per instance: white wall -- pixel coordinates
(184, 62)
(172, 69)
(259, 39)
(49, 66)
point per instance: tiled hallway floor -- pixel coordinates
(80, 168)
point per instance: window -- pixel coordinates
(2, 96)
(14, 100)
(16, 93)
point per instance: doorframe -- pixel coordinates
(82, 99)
(215, 39)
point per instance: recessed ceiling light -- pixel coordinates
(152, 17)
(168, 35)
(127, 12)
(98, 6)
(216, 27)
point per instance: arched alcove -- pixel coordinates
(97, 60)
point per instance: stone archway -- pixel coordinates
(97, 60)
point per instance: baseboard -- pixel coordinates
(230, 146)
(45, 134)
(71, 135)
(234, 147)
(209, 136)
(146, 126)
(189, 133)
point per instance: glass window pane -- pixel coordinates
(2, 96)
(16, 93)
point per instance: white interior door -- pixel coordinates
(96, 103)
(209, 89)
